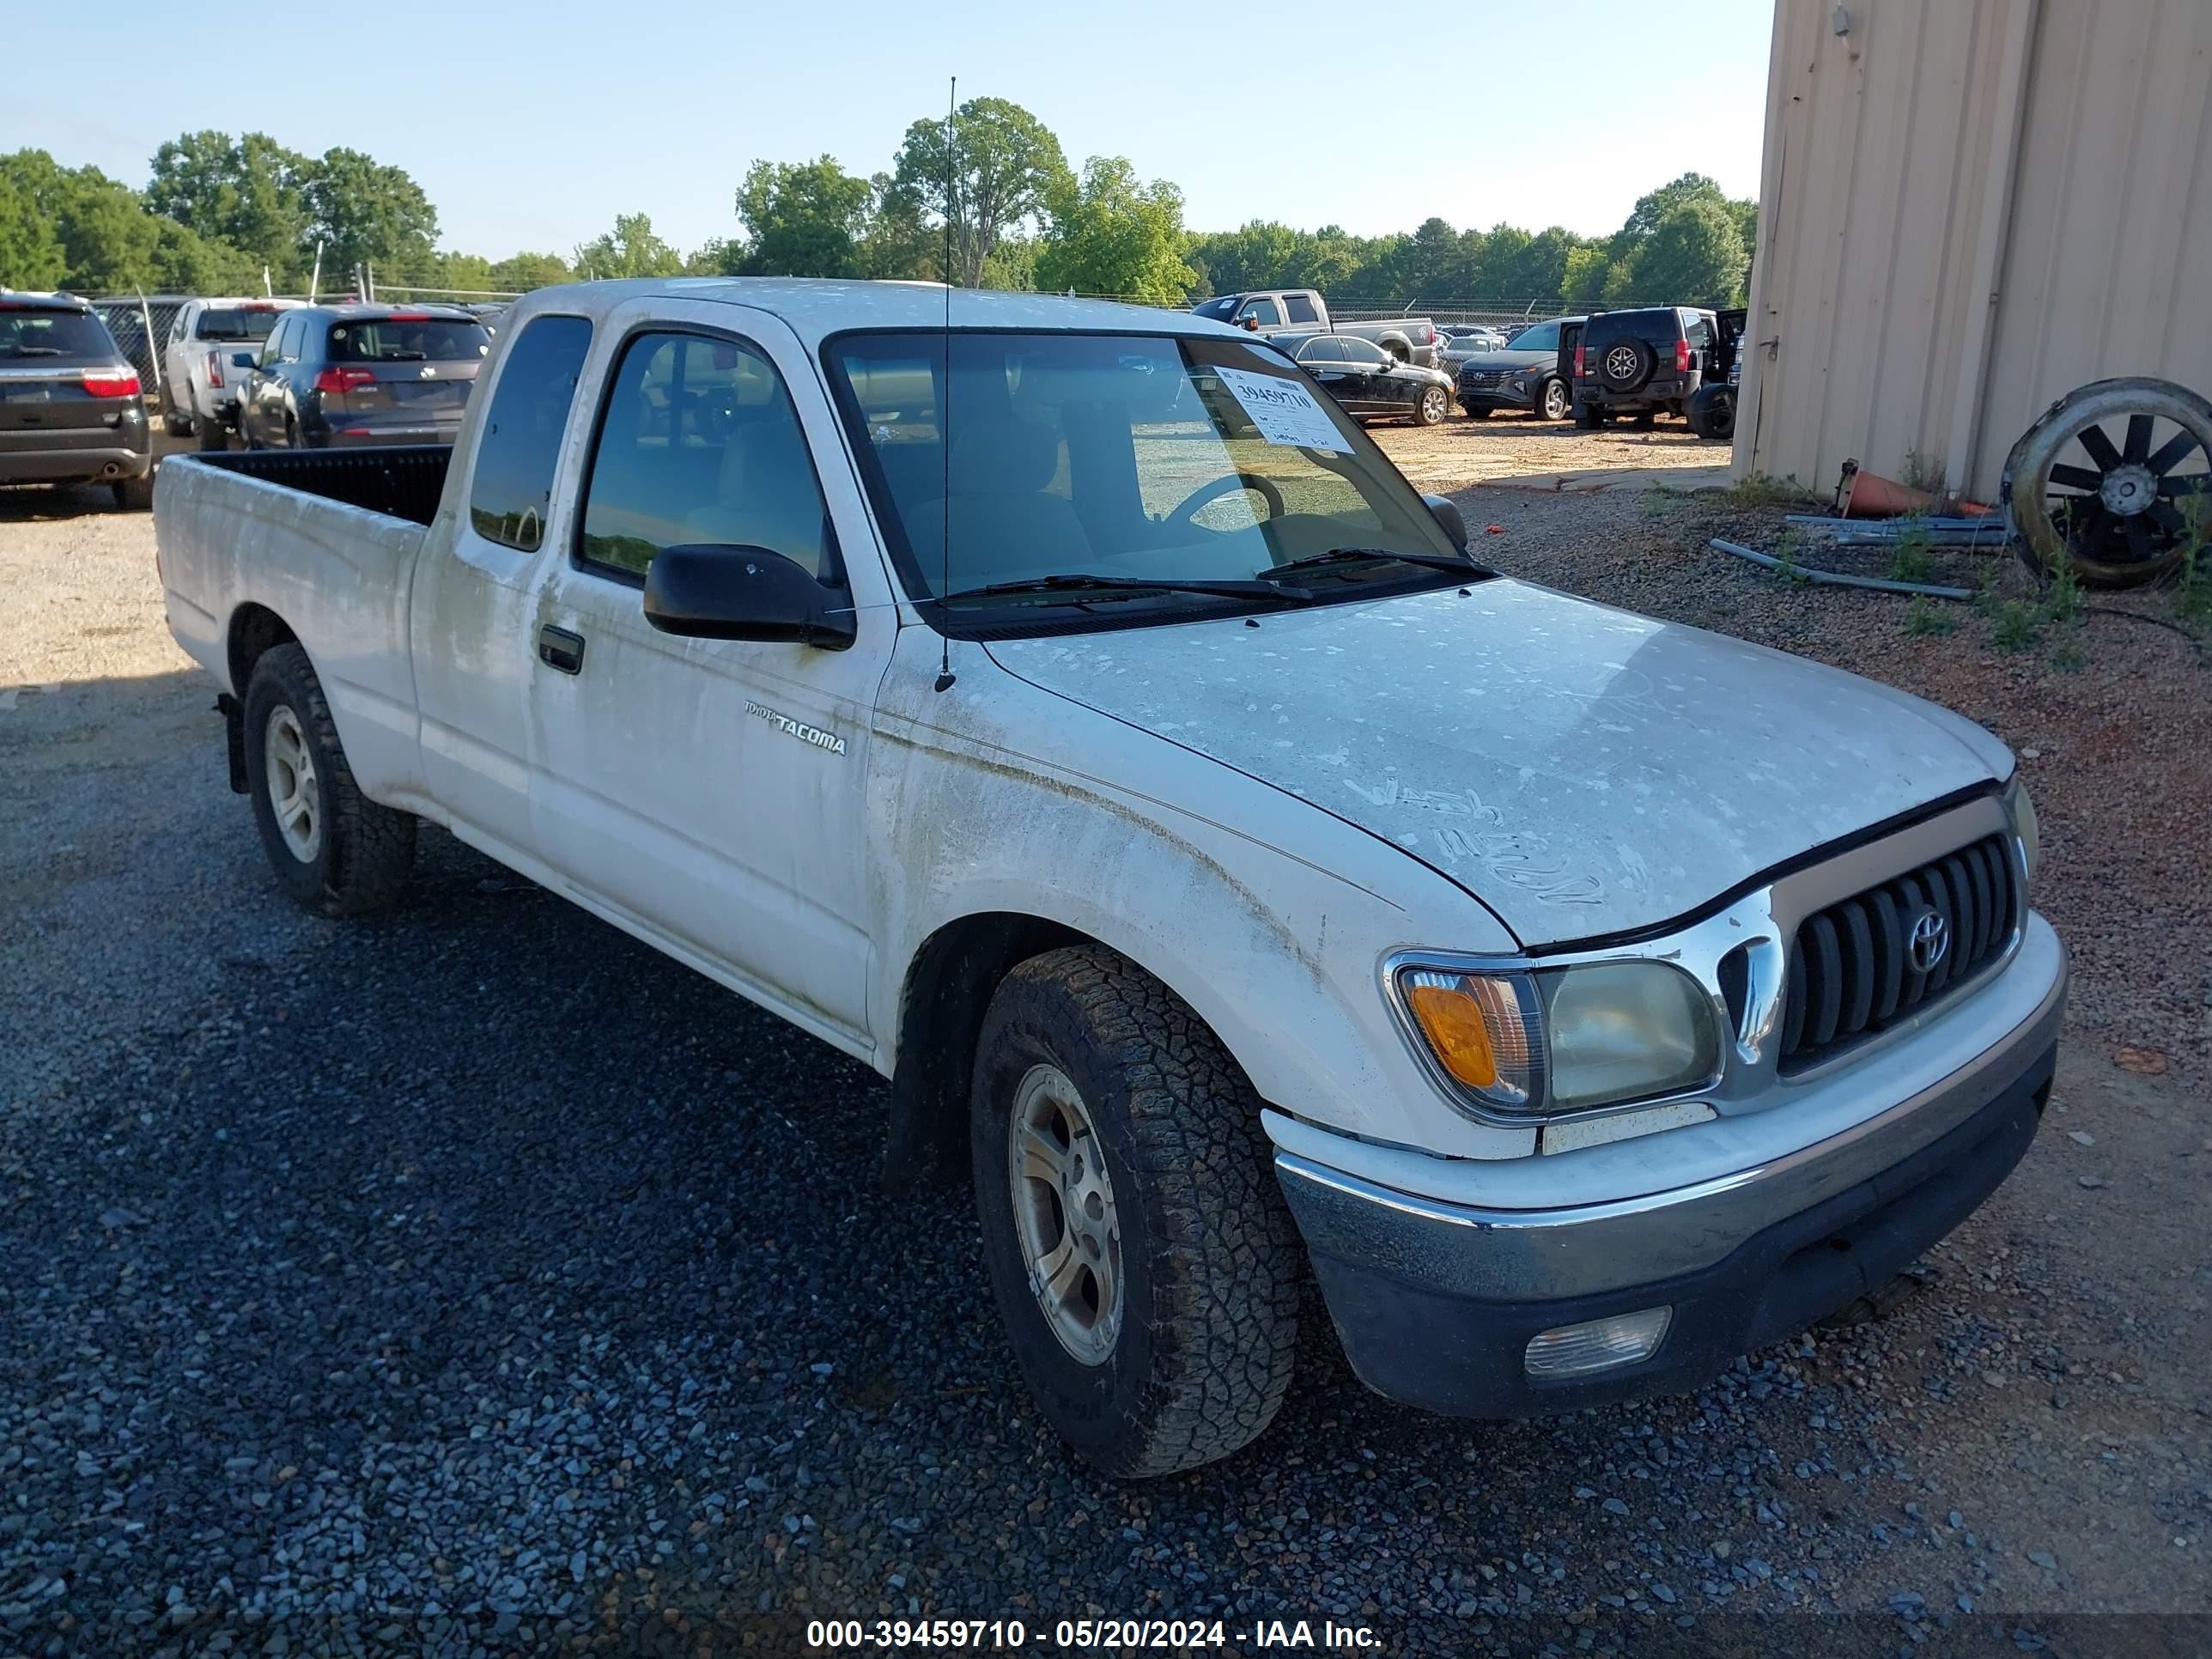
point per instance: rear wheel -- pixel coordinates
(1555, 402)
(291, 433)
(335, 850)
(1477, 411)
(176, 425)
(1142, 1259)
(1435, 405)
(214, 435)
(135, 495)
(1590, 417)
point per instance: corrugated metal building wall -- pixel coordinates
(1968, 208)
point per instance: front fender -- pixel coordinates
(1268, 916)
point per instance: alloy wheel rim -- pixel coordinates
(1620, 362)
(1433, 401)
(1065, 1219)
(294, 793)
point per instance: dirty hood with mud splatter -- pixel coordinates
(1581, 770)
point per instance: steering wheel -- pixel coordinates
(1206, 494)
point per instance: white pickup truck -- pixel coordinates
(1066, 710)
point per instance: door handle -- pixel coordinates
(558, 648)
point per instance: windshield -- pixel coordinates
(52, 334)
(408, 339)
(1142, 456)
(236, 323)
(1544, 337)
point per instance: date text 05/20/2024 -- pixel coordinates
(1116, 1635)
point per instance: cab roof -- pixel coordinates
(816, 307)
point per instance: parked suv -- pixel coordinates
(1524, 374)
(70, 412)
(1640, 362)
(338, 376)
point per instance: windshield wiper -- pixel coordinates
(1378, 554)
(36, 351)
(1065, 582)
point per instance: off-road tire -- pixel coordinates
(135, 495)
(1213, 1267)
(365, 850)
(1434, 405)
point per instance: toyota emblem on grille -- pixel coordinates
(1931, 938)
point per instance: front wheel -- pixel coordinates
(1143, 1261)
(335, 850)
(1555, 402)
(1435, 405)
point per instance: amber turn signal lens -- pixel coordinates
(1452, 1021)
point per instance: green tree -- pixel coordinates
(630, 249)
(250, 193)
(1113, 234)
(992, 170)
(1582, 278)
(367, 213)
(804, 218)
(900, 243)
(1693, 256)
(108, 240)
(30, 253)
(523, 271)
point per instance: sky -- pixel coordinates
(532, 125)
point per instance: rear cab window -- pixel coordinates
(511, 490)
(237, 323)
(39, 333)
(407, 339)
(699, 444)
(1299, 309)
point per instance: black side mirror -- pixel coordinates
(712, 591)
(243, 360)
(1447, 519)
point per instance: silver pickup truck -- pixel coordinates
(1068, 711)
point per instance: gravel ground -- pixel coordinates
(1461, 451)
(474, 1279)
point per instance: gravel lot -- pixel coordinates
(474, 1279)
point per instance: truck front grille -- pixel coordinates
(1854, 968)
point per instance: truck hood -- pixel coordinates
(1581, 770)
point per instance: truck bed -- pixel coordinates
(403, 482)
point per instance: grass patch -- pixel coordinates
(1926, 618)
(1911, 556)
(2019, 625)
(1760, 491)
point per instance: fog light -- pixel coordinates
(1597, 1345)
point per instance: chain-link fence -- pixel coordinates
(141, 327)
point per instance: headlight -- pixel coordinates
(2024, 825)
(1564, 1039)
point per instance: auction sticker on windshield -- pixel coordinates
(1285, 411)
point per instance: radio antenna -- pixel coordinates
(944, 676)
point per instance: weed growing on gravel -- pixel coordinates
(1657, 502)
(2019, 625)
(1786, 550)
(2192, 593)
(2062, 600)
(2068, 658)
(1927, 619)
(1910, 558)
(1760, 491)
